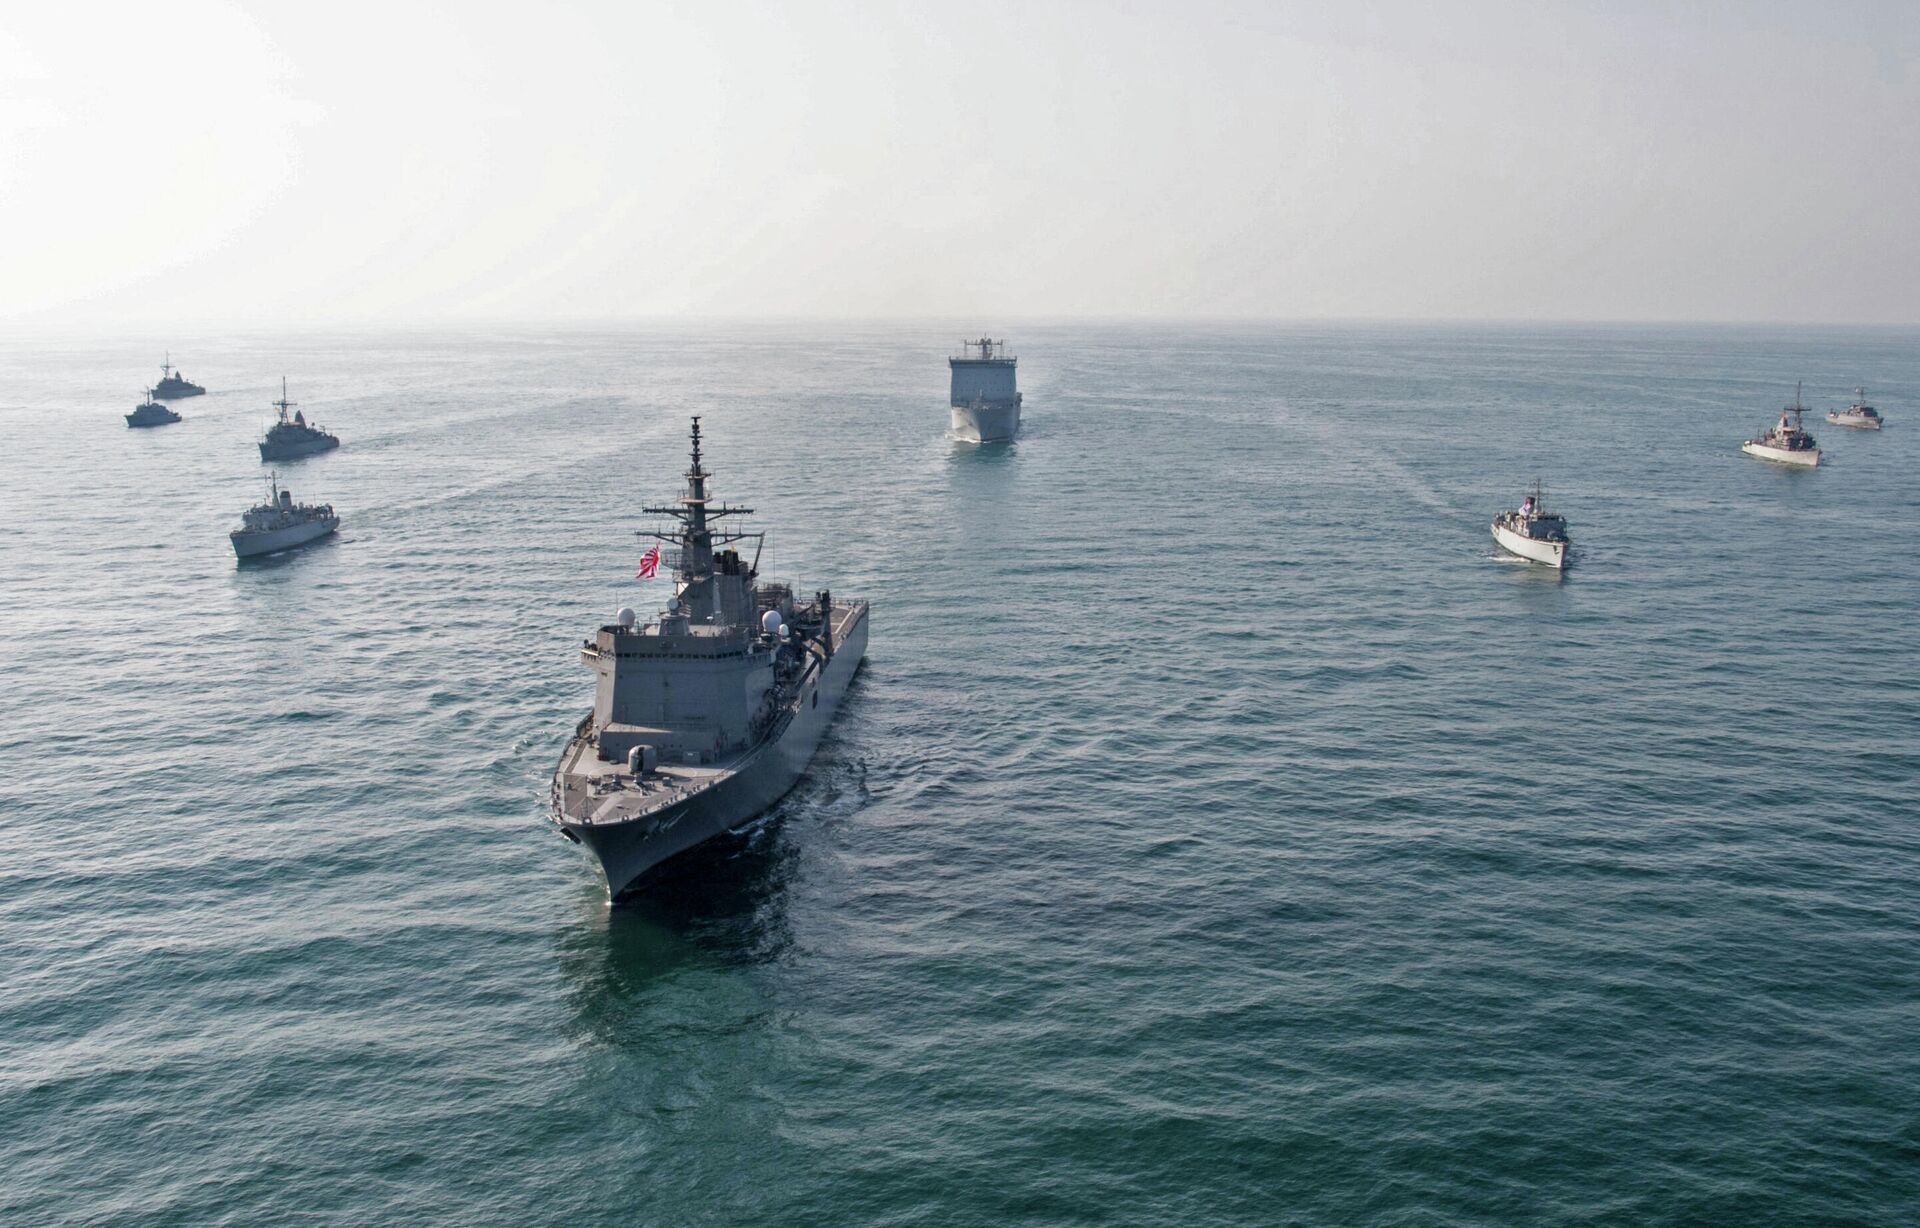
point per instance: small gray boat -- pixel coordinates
(281, 524)
(1788, 442)
(1859, 415)
(293, 436)
(1532, 532)
(174, 386)
(151, 412)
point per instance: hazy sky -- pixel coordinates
(346, 161)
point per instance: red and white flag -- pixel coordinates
(649, 563)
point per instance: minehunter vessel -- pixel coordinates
(292, 436)
(173, 387)
(151, 413)
(984, 399)
(1532, 532)
(707, 716)
(1859, 414)
(1786, 443)
(281, 524)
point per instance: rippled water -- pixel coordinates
(1219, 833)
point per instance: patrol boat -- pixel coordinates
(293, 437)
(1859, 414)
(984, 399)
(708, 715)
(281, 524)
(174, 387)
(1785, 444)
(1532, 532)
(151, 413)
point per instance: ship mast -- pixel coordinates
(696, 537)
(283, 405)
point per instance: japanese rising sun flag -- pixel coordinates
(649, 563)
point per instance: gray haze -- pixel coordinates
(404, 162)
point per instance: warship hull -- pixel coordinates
(1807, 457)
(627, 850)
(1553, 554)
(138, 420)
(293, 451)
(252, 545)
(177, 392)
(986, 423)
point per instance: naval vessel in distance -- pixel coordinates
(293, 436)
(151, 412)
(281, 524)
(706, 716)
(174, 386)
(1533, 532)
(1858, 415)
(1787, 443)
(985, 399)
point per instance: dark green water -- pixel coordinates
(1219, 833)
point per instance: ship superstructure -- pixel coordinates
(293, 436)
(985, 398)
(708, 714)
(174, 386)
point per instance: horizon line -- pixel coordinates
(55, 326)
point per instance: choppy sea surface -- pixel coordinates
(1219, 832)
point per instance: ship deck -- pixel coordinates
(593, 790)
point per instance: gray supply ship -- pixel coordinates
(151, 413)
(293, 436)
(174, 387)
(707, 716)
(984, 399)
(281, 524)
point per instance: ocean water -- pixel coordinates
(1218, 833)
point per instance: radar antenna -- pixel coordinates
(695, 535)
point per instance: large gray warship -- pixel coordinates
(984, 398)
(707, 716)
